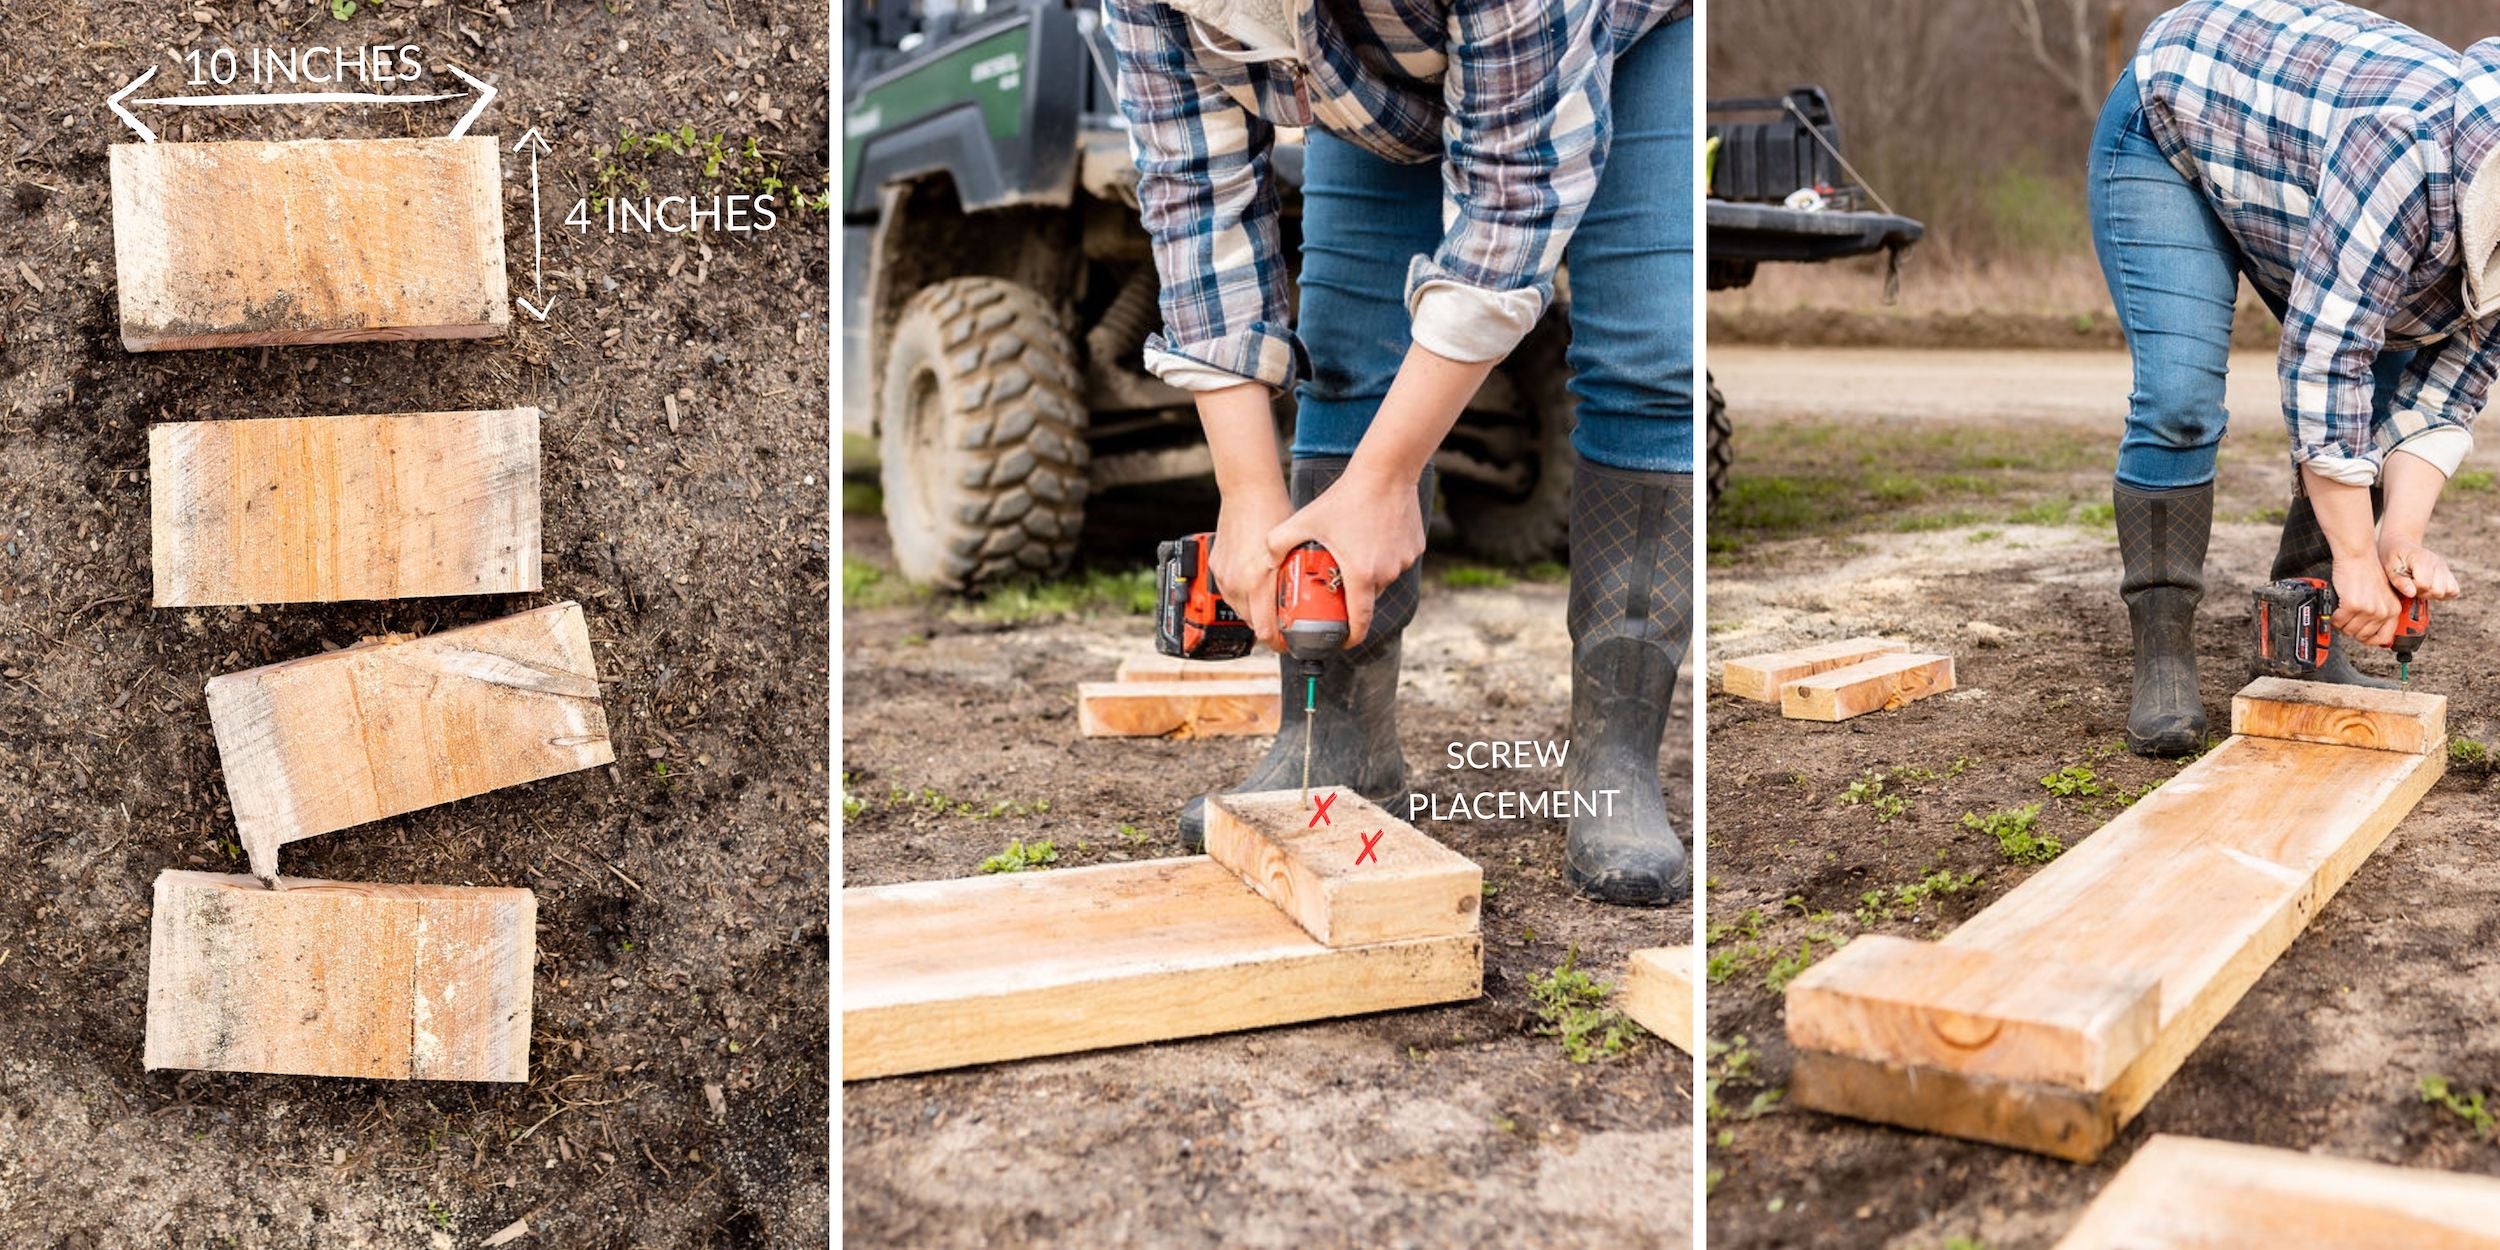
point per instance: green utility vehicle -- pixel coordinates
(998, 285)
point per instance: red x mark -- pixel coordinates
(1371, 842)
(1320, 817)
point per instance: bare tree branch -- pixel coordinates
(2075, 72)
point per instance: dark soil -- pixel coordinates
(2395, 980)
(682, 938)
(1435, 1127)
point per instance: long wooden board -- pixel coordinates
(1877, 685)
(309, 241)
(2183, 1193)
(319, 509)
(1346, 871)
(329, 741)
(1155, 666)
(950, 973)
(1658, 993)
(336, 978)
(2193, 892)
(1762, 677)
(1178, 709)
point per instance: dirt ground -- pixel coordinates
(1959, 501)
(677, 1093)
(1434, 1127)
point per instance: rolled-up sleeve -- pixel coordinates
(1208, 202)
(2433, 416)
(1529, 115)
(2369, 224)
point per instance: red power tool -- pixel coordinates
(1193, 622)
(2294, 627)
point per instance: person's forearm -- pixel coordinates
(2410, 486)
(1423, 403)
(1240, 425)
(2343, 515)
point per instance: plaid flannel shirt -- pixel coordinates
(2328, 140)
(1513, 93)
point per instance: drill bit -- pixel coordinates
(1310, 709)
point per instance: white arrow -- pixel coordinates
(485, 94)
(536, 143)
(533, 309)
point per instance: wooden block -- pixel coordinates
(1658, 993)
(1762, 677)
(1155, 666)
(333, 740)
(949, 973)
(2352, 716)
(1178, 709)
(1974, 1012)
(1877, 685)
(1324, 875)
(339, 978)
(2197, 888)
(320, 509)
(310, 241)
(2182, 1193)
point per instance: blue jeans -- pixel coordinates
(2174, 275)
(1631, 264)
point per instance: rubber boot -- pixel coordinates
(1631, 618)
(1354, 732)
(2161, 539)
(2304, 552)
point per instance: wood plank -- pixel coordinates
(1341, 891)
(321, 509)
(2198, 888)
(1762, 677)
(1155, 666)
(949, 973)
(1658, 993)
(2182, 1193)
(308, 241)
(1975, 1012)
(1178, 709)
(1877, 685)
(329, 741)
(2353, 716)
(337, 978)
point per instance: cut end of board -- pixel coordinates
(1877, 685)
(1895, 1001)
(2338, 715)
(1658, 993)
(1347, 871)
(1179, 709)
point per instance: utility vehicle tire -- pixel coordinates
(1526, 527)
(1722, 444)
(981, 436)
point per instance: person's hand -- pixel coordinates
(2416, 570)
(2365, 607)
(1375, 529)
(1245, 570)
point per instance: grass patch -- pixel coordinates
(1571, 1005)
(2016, 839)
(1732, 1064)
(1095, 592)
(1903, 901)
(2072, 782)
(2469, 753)
(2042, 512)
(1022, 856)
(1827, 478)
(862, 499)
(627, 166)
(1928, 522)
(1475, 577)
(2470, 1109)
(864, 585)
(2471, 480)
(1868, 791)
